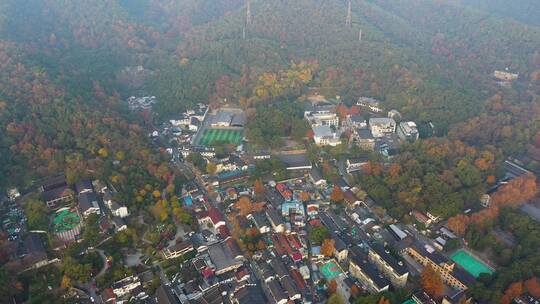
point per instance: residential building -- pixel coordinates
(324, 136)
(226, 256)
(211, 219)
(371, 103)
(247, 294)
(316, 177)
(393, 268)
(119, 224)
(355, 164)
(84, 186)
(89, 203)
(276, 292)
(126, 286)
(394, 114)
(450, 274)
(55, 192)
(364, 139)
(355, 121)
(380, 126)
(367, 274)
(322, 119)
(260, 221)
(165, 295)
(407, 131)
(178, 250)
(505, 76)
(275, 219)
(298, 163)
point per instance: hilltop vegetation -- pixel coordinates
(432, 61)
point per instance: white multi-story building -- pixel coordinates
(382, 126)
(407, 131)
(324, 136)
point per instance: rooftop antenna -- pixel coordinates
(349, 15)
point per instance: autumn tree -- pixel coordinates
(337, 194)
(328, 247)
(513, 291)
(517, 192)
(258, 187)
(332, 286)
(383, 300)
(533, 287)
(458, 224)
(211, 168)
(431, 282)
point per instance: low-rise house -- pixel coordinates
(211, 219)
(178, 250)
(55, 192)
(364, 139)
(393, 268)
(276, 221)
(126, 286)
(260, 221)
(247, 294)
(380, 126)
(370, 103)
(296, 163)
(165, 295)
(421, 218)
(226, 256)
(355, 121)
(407, 131)
(505, 76)
(290, 288)
(118, 210)
(276, 292)
(356, 164)
(316, 177)
(84, 186)
(89, 204)
(119, 224)
(32, 252)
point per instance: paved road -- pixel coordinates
(532, 211)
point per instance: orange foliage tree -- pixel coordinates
(533, 287)
(258, 187)
(458, 224)
(431, 282)
(517, 192)
(513, 291)
(328, 247)
(337, 195)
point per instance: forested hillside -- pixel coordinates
(431, 60)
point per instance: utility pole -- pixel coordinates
(348, 21)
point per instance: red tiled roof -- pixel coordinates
(207, 272)
(297, 277)
(215, 215)
(224, 231)
(293, 240)
(296, 256)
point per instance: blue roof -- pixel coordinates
(188, 201)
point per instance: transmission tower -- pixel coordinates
(248, 12)
(348, 21)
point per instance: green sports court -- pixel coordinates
(221, 135)
(65, 221)
(471, 264)
(330, 270)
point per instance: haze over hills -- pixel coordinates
(68, 67)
